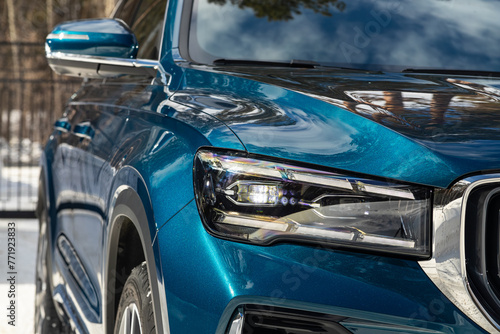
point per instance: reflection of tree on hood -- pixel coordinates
(283, 10)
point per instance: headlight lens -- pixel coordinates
(262, 202)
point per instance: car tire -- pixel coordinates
(135, 311)
(46, 319)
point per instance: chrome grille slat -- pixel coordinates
(481, 246)
(448, 267)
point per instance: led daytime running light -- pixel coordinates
(262, 202)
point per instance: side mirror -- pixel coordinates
(95, 49)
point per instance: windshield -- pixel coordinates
(368, 34)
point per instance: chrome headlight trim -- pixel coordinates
(447, 267)
(260, 200)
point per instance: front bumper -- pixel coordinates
(207, 280)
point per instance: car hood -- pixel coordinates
(427, 129)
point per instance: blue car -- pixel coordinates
(274, 167)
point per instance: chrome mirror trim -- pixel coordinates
(447, 267)
(99, 67)
(139, 63)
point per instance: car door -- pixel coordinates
(89, 154)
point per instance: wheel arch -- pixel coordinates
(131, 221)
(46, 197)
(45, 201)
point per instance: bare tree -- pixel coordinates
(13, 37)
(50, 14)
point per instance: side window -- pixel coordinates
(145, 19)
(126, 11)
(148, 27)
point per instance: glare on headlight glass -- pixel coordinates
(262, 202)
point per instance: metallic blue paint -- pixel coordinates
(103, 38)
(350, 121)
(362, 288)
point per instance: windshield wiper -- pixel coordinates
(452, 72)
(297, 63)
(243, 62)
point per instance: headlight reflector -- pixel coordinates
(262, 202)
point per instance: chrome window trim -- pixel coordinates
(177, 24)
(447, 267)
(162, 40)
(144, 63)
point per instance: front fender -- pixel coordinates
(130, 201)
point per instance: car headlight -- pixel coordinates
(260, 201)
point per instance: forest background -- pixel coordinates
(32, 97)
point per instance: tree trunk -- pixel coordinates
(110, 4)
(50, 15)
(13, 38)
(16, 68)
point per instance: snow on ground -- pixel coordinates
(18, 188)
(26, 234)
(18, 192)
